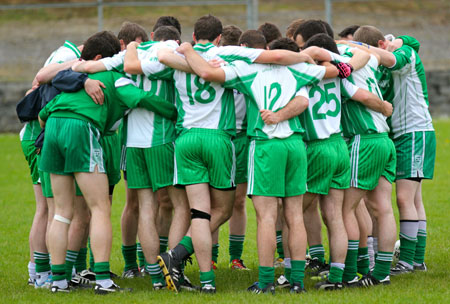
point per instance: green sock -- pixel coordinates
(298, 272)
(80, 264)
(407, 249)
(363, 260)
(419, 255)
(129, 256)
(351, 261)
(91, 257)
(215, 252)
(102, 271)
(266, 276)
(287, 273)
(42, 261)
(317, 252)
(236, 246)
(58, 272)
(280, 249)
(207, 278)
(140, 254)
(186, 242)
(382, 265)
(163, 243)
(336, 273)
(155, 273)
(71, 258)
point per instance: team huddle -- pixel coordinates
(294, 123)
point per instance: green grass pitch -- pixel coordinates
(17, 209)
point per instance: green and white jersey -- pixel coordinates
(404, 85)
(240, 110)
(357, 118)
(323, 116)
(270, 87)
(146, 129)
(204, 104)
(68, 51)
(120, 95)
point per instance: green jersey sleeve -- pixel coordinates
(410, 41)
(402, 57)
(134, 97)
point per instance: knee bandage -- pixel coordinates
(197, 214)
(62, 219)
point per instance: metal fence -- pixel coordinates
(252, 7)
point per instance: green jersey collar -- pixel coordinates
(72, 47)
(203, 47)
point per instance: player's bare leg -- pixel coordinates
(237, 225)
(148, 233)
(181, 214)
(352, 197)
(64, 191)
(379, 200)
(293, 214)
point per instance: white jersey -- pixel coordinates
(407, 90)
(271, 87)
(357, 118)
(146, 129)
(204, 104)
(323, 116)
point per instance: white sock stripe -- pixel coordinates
(61, 219)
(407, 237)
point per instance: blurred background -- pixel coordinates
(29, 35)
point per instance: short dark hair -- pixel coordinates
(270, 31)
(130, 31)
(253, 39)
(369, 35)
(309, 28)
(230, 35)
(328, 28)
(324, 41)
(165, 32)
(103, 43)
(349, 30)
(168, 21)
(284, 44)
(207, 27)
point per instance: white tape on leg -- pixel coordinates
(62, 219)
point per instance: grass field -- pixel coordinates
(17, 209)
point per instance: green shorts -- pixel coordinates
(277, 167)
(71, 145)
(111, 154)
(328, 164)
(241, 147)
(29, 150)
(150, 167)
(371, 156)
(205, 156)
(416, 154)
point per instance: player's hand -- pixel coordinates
(307, 58)
(345, 69)
(76, 65)
(133, 44)
(94, 89)
(269, 117)
(393, 45)
(184, 47)
(216, 63)
(387, 108)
